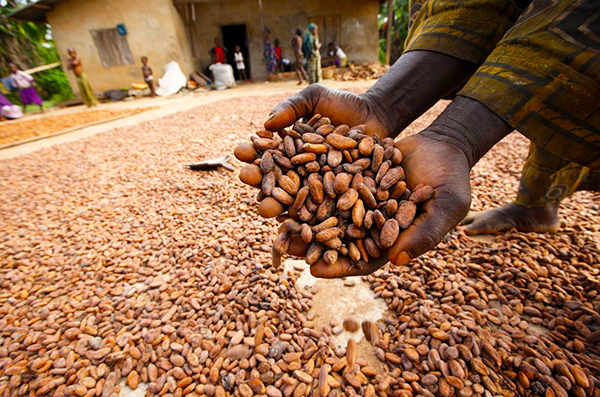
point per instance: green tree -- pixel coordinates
(399, 29)
(29, 45)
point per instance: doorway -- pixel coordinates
(236, 35)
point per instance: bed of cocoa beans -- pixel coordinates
(121, 269)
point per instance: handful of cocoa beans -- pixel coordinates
(340, 189)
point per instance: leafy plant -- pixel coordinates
(399, 29)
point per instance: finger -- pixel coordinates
(344, 268)
(470, 218)
(440, 215)
(293, 108)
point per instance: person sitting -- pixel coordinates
(340, 58)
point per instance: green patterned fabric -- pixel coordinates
(85, 89)
(548, 179)
(539, 65)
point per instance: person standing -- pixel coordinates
(297, 48)
(238, 57)
(278, 55)
(311, 47)
(148, 77)
(24, 84)
(85, 89)
(270, 53)
(218, 52)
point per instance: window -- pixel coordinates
(112, 47)
(329, 29)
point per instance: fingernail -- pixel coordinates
(403, 258)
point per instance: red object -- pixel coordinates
(278, 53)
(219, 55)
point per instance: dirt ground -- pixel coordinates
(120, 265)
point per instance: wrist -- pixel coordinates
(413, 84)
(469, 126)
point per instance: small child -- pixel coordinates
(239, 63)
(278, 54)
(148, 77)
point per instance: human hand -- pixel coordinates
(341, 107)
(429, 162)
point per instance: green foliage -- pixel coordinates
(29, 45)
(54, 85)
(399, 29)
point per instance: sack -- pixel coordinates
(115, 95)
(222, 75)
(172, 81)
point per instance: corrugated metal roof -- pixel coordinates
(35, 12)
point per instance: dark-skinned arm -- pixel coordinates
(412, 85)
(441, 156)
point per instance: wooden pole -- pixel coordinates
(262, 21)
(390, 26)
(44, 67)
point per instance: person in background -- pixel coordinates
(148, 77)
(297, 48)
(218, 52)
(24, 85)
(8, 110)
(270, 54)
(85, 89)
(311, 48)
(239, 63)
(278, 55)
(340, 58)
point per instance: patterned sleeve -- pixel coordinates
(543, 78)
(464, 29)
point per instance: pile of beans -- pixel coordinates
(344, 191)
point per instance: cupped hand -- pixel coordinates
(341, 107)
(429, 162)
(444, 167)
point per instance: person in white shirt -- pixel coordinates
(341, 60)
(24, 83)
(239, 63)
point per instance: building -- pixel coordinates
(111, 36)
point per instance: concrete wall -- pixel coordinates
(154, 27)
(359, 33)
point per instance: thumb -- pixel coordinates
(293, 108)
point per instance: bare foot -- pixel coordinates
(535, 219)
